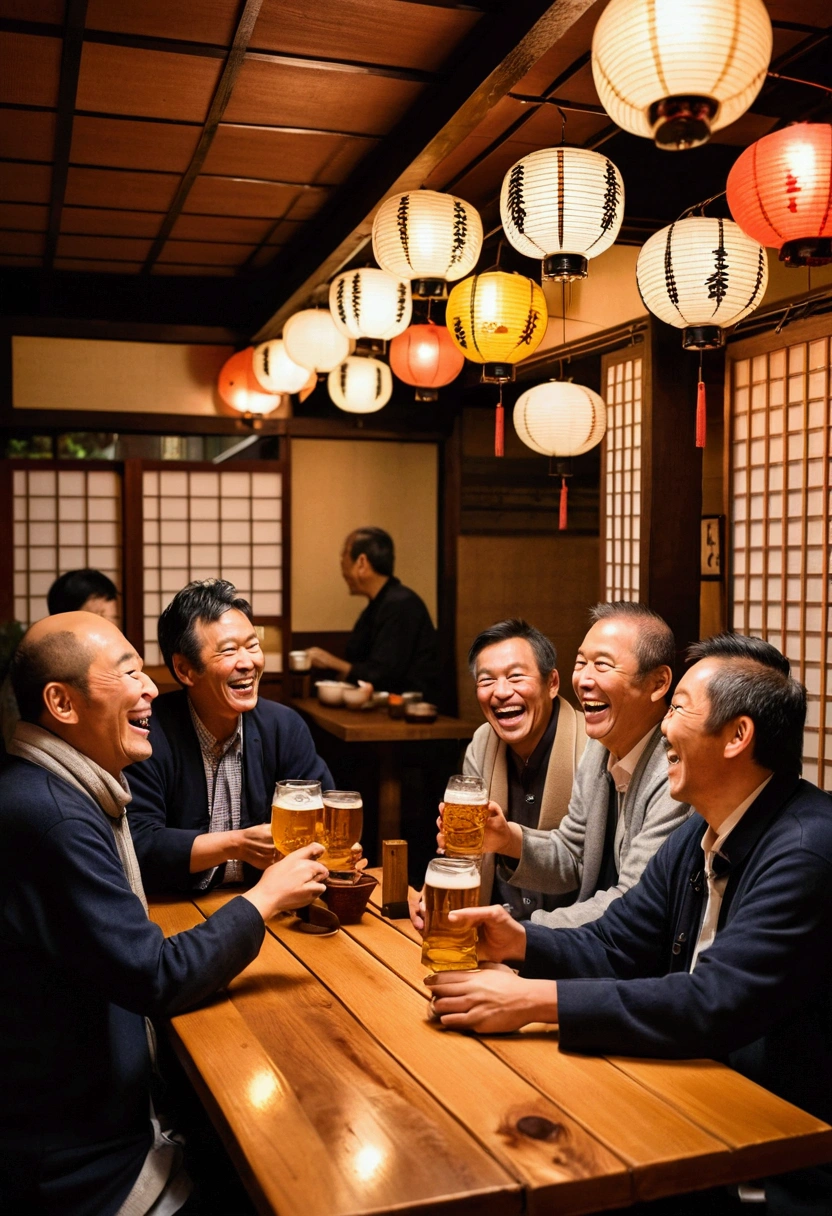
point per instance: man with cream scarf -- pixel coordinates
(81, 966)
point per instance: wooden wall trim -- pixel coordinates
(132, 553)
(762, 343)
(7, 549)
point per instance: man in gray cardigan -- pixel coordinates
(621, 810)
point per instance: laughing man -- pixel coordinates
(621, 809)
(202, 804)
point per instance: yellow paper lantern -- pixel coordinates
(313, 340)
(677, 70)
(369, 303)
(360, 386)
(429, 237)
(564, 205)
(274, 370)
(497, 319)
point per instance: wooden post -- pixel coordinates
(394, 880)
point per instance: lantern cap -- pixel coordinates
(565, 267)
(427, 394)
(703, 337)
(682, 122)
(429, 289)
(497, 373)
(807, 251)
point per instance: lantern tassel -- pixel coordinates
(700, 412)
(499, 429)
(564, 494)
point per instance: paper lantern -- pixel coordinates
(312, 339)
(274, 370)
(560, 420)
(239, 388)
(563, 205)
(677, 70)
(360, 386)
(780, 193)
(429, 237)
(426, 357)
(370, 303)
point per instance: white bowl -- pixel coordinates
(354, 697)
(330, 692)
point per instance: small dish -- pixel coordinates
(420, 712)
(356, 696)
(330, 692)
(349, 900)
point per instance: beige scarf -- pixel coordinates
(41, 747)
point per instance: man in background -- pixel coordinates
(87, 590)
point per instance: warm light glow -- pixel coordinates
(360, 386)
(560, 418)
(275, 371)
(368, 1161)
(263, 1089)
(644, 51)
(425, 356)
(313, 340)
(239, 388)
(426, 235)
(369, 303)
(497, 317)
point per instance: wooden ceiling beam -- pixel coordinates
(73, 44)
(499, 52)
(219, 102)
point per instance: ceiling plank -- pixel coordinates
(481, 74)
(76, 15)
(233, 64)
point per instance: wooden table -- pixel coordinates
(336, 1095)
(374, 726)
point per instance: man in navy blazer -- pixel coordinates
(202, 803)
(719, 949)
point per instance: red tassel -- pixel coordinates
(564, 494)
(700, 414)
(499, 432)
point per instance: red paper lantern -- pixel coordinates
(425, 356)
(239, 388)
(780, 193)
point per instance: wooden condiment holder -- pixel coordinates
(394, 880)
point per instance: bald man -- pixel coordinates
(81, 965)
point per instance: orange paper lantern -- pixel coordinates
(239, 388)
(426, 357)
(780, 192)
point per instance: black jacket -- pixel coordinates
(393, 644)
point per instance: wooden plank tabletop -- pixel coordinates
(374, 725)
(337, 1094)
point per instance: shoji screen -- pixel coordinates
(780, 458)
(621, 476)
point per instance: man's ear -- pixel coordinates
(661, 679)
(61, 704)
(741, 734)
(183, 670)
(554, 684)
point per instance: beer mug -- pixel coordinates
(450, 883)
(339, 828)
(464, 816)
(296, 808)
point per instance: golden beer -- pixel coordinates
(296, 808)
(339, 828)
(450, 884)
(464, 816)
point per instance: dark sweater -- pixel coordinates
(393, 644)
(80, 964)
(170, 799)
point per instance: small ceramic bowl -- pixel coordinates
(420, 712)
(380, 698)
(349, 900)
(299, 660)
(355, 697)
(330, 692)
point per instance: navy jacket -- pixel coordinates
(80, 964)
(760, 997)
(170, 798)
(393, 644)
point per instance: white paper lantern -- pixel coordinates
(370, 303)
(430, 237)
(702, 275)
(360, 386)
(677, 70)
(563, 205)
(560, 418)
(275, 371)
(312, 340)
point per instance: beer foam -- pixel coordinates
(313, 803)
(451, 882)
(465, 797)
(354, 805)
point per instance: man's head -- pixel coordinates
(86, 590)
(209, 643)
(368, 557)
(514, 668)
(623, 672)
(76, 675)
(737, 715)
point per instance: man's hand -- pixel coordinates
(416, 908)
(499, 936)
(491, 1001)
(292, 882)
(319, 657)
(253, 845)
(500, 835)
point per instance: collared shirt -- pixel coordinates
(711, 847)
(223, 765)
(621, 774)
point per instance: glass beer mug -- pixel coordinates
(338, 829)
(450, 883)
(296, 809)
(464, 816)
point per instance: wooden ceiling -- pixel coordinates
(253, 139)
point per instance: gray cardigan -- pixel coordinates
(569, 857)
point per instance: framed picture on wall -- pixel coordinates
(712, 532)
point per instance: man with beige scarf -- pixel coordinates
(81, 965)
